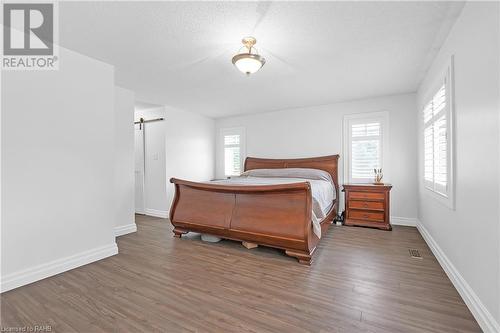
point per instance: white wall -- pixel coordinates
(468, 237)
(155, 182)
(57, 168)
(498, 307)
(316, 131)
(124, 161)
(184, 145)
(190, 147)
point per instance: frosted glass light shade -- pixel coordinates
(248, 63)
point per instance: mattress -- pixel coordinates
(322, 187)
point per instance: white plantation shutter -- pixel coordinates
(429, 155)
(436, 145)
(366, 147)
(232, 141)
(232, 156)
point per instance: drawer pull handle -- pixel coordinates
(365, 204)
(366, 216)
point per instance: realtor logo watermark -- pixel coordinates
(30, 36)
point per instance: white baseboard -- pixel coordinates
(125, 229)
(405, 221)
(157, 213)
(43, 271)
(479, 311)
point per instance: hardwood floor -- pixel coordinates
(362, 280)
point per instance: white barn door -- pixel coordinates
(139, 169)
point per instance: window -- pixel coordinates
(436, 143)
(365, 149)
(365, 146)
(437, 159)
(233, 150)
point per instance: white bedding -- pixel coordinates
(322, 188)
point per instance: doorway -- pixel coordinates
(150, 160)
(140, 204)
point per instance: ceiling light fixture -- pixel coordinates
(249, 62)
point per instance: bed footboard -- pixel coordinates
(272, 215)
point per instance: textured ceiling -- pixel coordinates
(179, 53)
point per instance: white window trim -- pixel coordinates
(241, 131)
(447, 199)
(383, 117)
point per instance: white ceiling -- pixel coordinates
(179, 53)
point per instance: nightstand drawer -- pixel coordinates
(369, 205)
(363, 215)
(366, 195)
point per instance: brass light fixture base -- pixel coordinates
(249, 42)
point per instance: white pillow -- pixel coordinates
(304, 173)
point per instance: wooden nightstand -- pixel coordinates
(367, 205)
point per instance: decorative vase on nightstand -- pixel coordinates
(378, 176)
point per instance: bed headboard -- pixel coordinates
(326, 163)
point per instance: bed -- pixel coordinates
(274, 208)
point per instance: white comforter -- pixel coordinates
(323, 191)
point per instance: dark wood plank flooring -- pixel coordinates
(362, 280)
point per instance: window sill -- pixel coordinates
(447, 201)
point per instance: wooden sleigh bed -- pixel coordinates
(278, 216)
